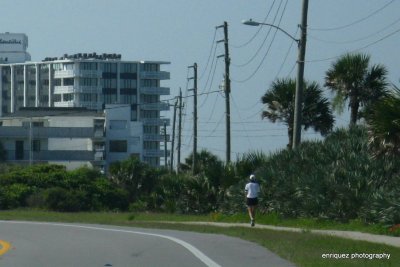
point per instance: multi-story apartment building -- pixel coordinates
(92, 81)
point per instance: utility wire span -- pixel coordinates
(355, 22)
(265, 39)
(358, 49)
(209, 55)
(258, 30)
(263, 59)
(358, 39)
(248, 138)
(211, 83)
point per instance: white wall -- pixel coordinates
(70, 144)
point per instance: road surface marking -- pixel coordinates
(5, 246)
(196, 252)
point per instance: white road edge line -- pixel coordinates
(196, 252)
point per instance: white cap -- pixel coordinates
(252, 177)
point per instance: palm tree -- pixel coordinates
(351, 78)
(384, 124)
(316, 112)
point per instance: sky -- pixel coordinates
(184, 32)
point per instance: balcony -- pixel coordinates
(155, 121)
(68, 104)
(158, 75)
(77, 73)
(53, 155)
(155, 137)
(65, 73)
(155, 90)
(47, 132)
(154, 153)
(89, 73)
(155, 106)
(66, 89)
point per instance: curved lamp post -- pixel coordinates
(300, 71)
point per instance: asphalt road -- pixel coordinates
(32, 244)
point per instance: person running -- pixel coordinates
(252, 189)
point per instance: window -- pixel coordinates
(36, 145)
(68, 97)
(69, 81)
(38, 124)
(118, 124)
(118, 146)
(88, 82)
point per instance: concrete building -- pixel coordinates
(93, 81)
(13, 48)
(73, 137)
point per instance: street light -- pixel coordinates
(251, 22)
(301, 43)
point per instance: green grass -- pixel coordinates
(303, 249)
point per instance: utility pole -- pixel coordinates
(173, 137)
(227, 87)
(178, 164)
(165, 145)
(194, 160)
(300, 77)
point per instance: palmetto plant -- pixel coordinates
(384, 124)
(279, 101)
(352, 79)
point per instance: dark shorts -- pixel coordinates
(252, 201)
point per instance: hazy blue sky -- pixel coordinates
(182, 32)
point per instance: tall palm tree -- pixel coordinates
(352, 79)
(384, 124)
(316, 112)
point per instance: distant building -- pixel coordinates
(73, 137)
(13, 48)
(94, 81)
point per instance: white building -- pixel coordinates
(13, 48)
(93, 81)
(73, 137)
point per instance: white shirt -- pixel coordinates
(252, 190)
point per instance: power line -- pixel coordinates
(263, 59)
(258, 30)
(355, 22)
(209, 55)
(265, 39)
(358, 49)
(358, 39)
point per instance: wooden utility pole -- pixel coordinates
(171, 167)
(165, 146)
(178, 164)
(227, 87)
(194, 159)
(300, 77)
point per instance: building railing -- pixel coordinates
(155, 90)
(65, 89)
(155, 106)
(49, 132)
(154, 153)
(155, 137)
(52, 155)
(155, 121)
(158, 75)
